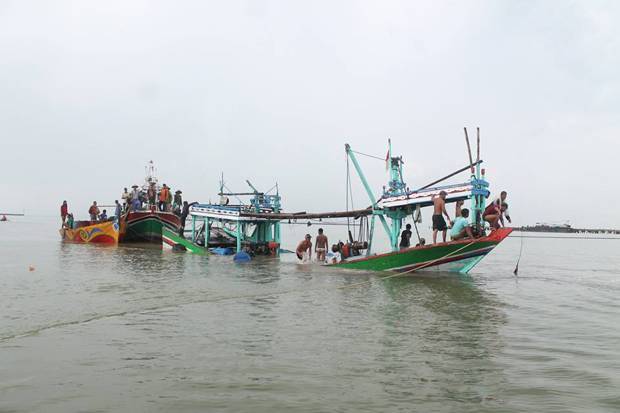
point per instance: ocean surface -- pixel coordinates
(96, 329)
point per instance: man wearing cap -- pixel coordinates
(304, 249)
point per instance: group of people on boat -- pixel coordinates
(163, 200)
(461, 228)
(94, 213)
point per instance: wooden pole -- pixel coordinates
(471, 161)
(281, 215)
(449, 176)
(478, 144)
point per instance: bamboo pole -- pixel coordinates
(471, 161)
(449, 176)
(478, 144)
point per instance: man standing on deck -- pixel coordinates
(178, 202)
(151, 194)
(439, 210)
(118, 211)
(321, 246)
(125, 197)
(405, 237)
(163, 197)
(135, 198)
(64, 211)
(93, 211)
(304, 249)
(184, 214)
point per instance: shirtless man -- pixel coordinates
(304, 249)
(321, 246)
(439, 210)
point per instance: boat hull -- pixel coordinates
(171, 239)
(95, 233)
(458, 256)
(147, 226)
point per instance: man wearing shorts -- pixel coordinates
(439, 210)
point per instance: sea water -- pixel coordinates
(90, 328)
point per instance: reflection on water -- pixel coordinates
(133, 328)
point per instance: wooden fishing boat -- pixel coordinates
(456, 256)
(399, 202)
(147, 226)
(105, 232)
(232, 227)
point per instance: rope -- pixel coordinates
(370, 156)
(516, 271)
(400, 274)
(434, 261)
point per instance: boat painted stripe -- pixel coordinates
(172, 226)
(427, 264)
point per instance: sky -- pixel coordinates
(270, 91)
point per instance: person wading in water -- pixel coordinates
(321, 246)
(304, 249)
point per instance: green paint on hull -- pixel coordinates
(416, 256)
(175, 238)
(145, 230)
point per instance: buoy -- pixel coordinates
(242, 257)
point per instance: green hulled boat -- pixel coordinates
(147, 226)
(398, 202)
(457, 256)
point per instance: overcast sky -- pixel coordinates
(90, 91)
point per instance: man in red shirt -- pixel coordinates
(64, 211)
